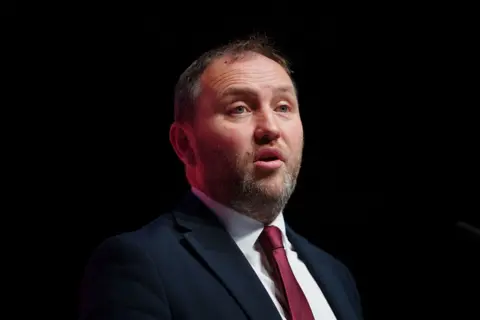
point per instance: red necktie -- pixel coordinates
(271, 241)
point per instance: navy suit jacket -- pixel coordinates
(185, 265)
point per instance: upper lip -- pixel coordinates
(269, 152)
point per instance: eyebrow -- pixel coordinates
(232, 91)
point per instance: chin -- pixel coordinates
(271, 184)
(271, 187)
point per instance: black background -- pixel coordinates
(367, 192)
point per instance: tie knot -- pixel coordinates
(271, 238)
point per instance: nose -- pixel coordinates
(267, 129)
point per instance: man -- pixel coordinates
(226, 252)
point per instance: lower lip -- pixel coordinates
(275, 164)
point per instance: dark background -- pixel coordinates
(365, 192)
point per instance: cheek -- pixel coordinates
(232, 142)
(236, 146)
(295, 137)
(234, 139)
(230, 146)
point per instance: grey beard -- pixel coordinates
(245, 195)
(256, 203)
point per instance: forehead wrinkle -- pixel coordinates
(230, 75)
(224, 74)
(232, 85)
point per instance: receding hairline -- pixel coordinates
(230, 59)
(188, 87)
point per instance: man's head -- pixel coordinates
(237, 127)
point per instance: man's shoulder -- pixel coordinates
(330, 265)
(320, 254)
(155, 236)
(161, 227)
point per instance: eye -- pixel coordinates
(238, 110)
(284, 108)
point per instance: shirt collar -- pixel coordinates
(244, 230)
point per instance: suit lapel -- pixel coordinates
(326, 276)
(205, 234)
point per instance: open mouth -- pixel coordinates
(268, 163)
(267, 159)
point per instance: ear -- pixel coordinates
(181, 140)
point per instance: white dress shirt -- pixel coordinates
(245, 232)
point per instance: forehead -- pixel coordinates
(253, 70)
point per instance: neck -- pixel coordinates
(258, 208)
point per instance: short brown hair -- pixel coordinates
(188, 88)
